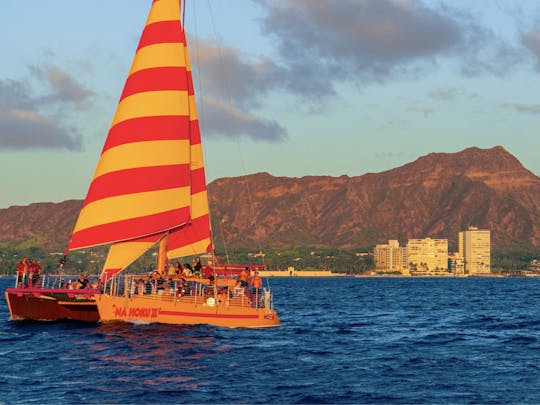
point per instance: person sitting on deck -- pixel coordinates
(177, 269)
(95, 283)
(222, 295)
(34, 273)
(22, 272)
(187, 271)
(83, 281)
(181, 289)
(238, 289)
(154, 275)
(171, 270)
(197, 267)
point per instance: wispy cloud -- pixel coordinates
(224, 119)
(450, 94)
(531, 40)
(524, 108)
(421, 110)
(63, 88)
(26, 117)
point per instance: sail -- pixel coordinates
(142, 182)
(195, 237)
(122, 254)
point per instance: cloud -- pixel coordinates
(355, 37)
(424, 111)
(230, 75)
(325, 43)
(63, 87)
(450, 94)
(531, 40)
(233, 85)
(26, 129)
(24, 126)
(524, 108)
(224, 119)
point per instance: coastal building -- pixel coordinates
(427, 256)
(456, 264)
(390, 257)
(475, 247)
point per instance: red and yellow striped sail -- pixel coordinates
(150, 178)
(194, 237)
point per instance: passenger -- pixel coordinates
(148, 286)
(22, 272)
(238, 289)
(181, 289)
(256, 284)
(243, 277)
(140, 287)
(222, 296)
(187, 271)
(177, 268)
(34, 273)
(83, 281)
(160, 285)
(197, 266)
(172, 271)
(95, 283)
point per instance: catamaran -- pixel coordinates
(149, 188)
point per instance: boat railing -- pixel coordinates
(194, 290)
(45, 281)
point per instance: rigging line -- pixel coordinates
(236, 138)
(183, 4)
(202, 114)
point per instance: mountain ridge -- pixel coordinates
(436, 195)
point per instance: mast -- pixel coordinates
(162, 255)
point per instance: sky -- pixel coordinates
(288, 87)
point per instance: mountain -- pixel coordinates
(437, 195)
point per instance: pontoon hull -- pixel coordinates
(50, 305)
(182, 311)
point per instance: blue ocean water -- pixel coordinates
(346, 340)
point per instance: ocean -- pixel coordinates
(342, 340)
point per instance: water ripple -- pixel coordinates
(345, 340)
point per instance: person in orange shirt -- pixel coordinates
(23, 268)
(34, 273)
(243, 277)
(256, 284)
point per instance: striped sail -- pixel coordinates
(195, 237)
(149, 180)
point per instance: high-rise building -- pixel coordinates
(475, 248)
(427, 255)
(390, 257)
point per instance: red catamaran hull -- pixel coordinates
(51, 305)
